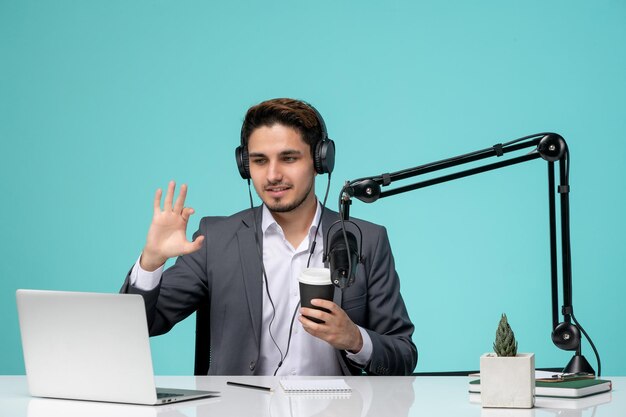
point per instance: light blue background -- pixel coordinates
(103, 102)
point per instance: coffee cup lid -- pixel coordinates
(315, 276)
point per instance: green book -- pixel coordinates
(571, 389)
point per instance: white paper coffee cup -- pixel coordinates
(315, 283)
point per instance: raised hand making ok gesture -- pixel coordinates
(167, 237)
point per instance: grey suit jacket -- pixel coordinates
(225, 279)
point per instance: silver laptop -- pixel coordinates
(90, 346)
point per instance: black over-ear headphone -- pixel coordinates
(323, 156)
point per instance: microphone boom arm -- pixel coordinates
(549, 146)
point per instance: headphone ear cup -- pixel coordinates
(243, 162)
(566, 336)
(324, 158)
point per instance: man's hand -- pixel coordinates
(167, 236)
(337, 329)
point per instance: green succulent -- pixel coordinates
(505, 344)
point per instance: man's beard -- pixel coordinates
(284, 208)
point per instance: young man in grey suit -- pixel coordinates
(243, 269)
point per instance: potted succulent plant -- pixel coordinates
(507, 378)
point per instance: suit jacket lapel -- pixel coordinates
(252, 268)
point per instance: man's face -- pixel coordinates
(281, 168)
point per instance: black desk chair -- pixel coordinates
(203, 342)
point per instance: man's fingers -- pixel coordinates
(187, 212)
(315, 313)
(198, 241)
(193, 246)
(169, 197)
(320, 302)
(157, 200)
(180, 201)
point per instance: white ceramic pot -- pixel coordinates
(507, 382)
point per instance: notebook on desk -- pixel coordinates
(90, 346)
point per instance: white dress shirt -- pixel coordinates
(283, 264)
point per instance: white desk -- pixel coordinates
(371, 396)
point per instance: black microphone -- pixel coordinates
(342, 270)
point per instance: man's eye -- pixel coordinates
(258, 161)
(290, 159)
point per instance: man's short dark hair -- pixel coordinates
(285, 111)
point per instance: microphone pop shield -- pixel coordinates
(343, 260)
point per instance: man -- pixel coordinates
(244, 269)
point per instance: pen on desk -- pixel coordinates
(565, 375)
(239, 384)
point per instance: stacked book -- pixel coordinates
(558, 392)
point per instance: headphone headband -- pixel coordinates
(323, 153)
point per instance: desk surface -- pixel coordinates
(371, 396)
